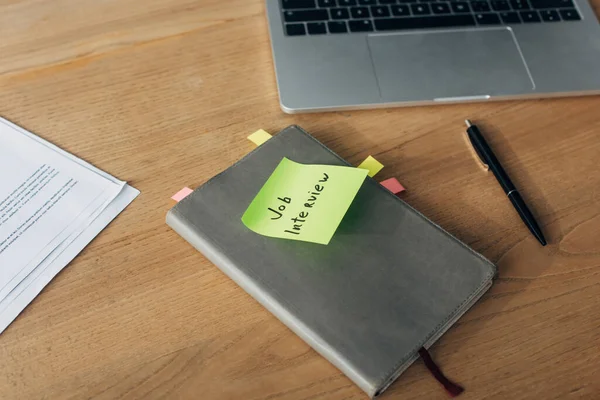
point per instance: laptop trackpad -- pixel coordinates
(424, 66)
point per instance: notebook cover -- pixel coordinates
(389, 282)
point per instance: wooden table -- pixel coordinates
(163, 94)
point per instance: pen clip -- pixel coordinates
(476, 155)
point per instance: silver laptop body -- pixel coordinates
(416, 52)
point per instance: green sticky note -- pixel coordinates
(303, 202)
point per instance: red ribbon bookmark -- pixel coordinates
(452, 388)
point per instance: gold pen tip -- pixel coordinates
(468, 122)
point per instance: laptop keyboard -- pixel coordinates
(318, 17)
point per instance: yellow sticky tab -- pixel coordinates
(303, 202)
(372, 165)
(259, 137)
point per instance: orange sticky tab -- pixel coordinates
(182, 194)
(393, 185)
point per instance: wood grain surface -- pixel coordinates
(163, 94)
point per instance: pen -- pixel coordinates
(487, 156)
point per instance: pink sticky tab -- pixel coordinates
(393, 185)
(182, 194)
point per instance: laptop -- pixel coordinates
(351, 54)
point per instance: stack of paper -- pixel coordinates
(52, 204)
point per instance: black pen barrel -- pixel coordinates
(490, 159)
(527, 216)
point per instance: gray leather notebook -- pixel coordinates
(389, 282)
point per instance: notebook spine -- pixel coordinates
(194, 236)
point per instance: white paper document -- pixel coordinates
(50, 202)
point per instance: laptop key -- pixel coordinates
(480, 6)
(440, 8)
(570, 15)
(387, 2)
(337, 27)
(519, 4)
(339, 13)
(361, 26)
(295, 29)
(380, 11)
(305, 15)
(316, 28)
(327, 3)
(360, 12)
(530, 16)
(550, 15)
(487, 19)
(346, 2)
(367, 2)
(295, 4)
(510, 17)
(500, 5)
(408, 1)
(400, 11)
(460, 7)
(420, 9)
(551, 4)
(445, 21)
